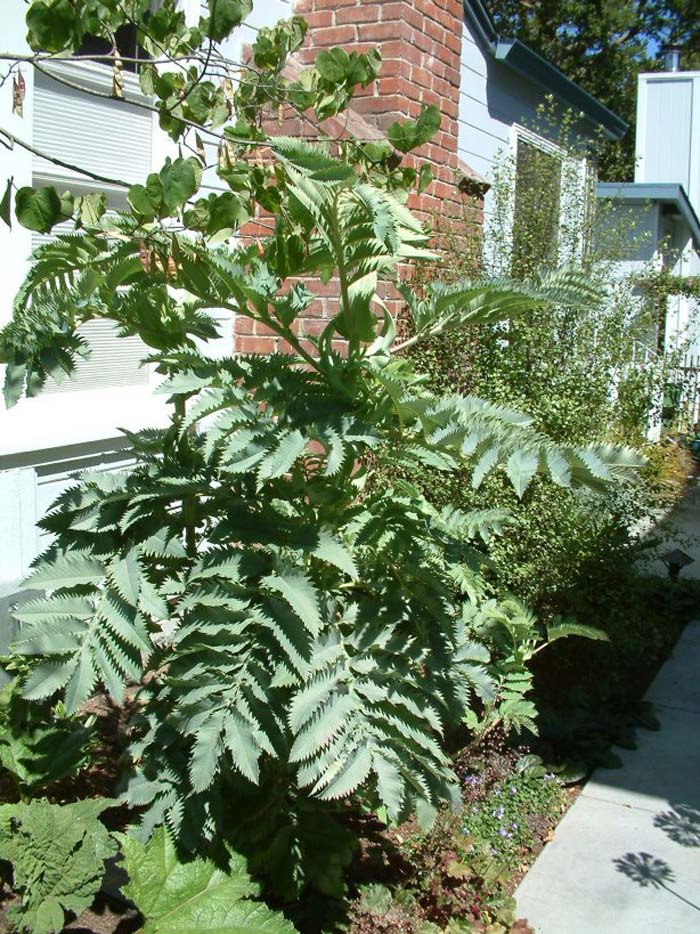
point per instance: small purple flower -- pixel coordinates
(497, 792)
(514, 826)
(513, 790)
(504, 833)
(549, 777)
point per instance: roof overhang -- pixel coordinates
(670, 193)
(520, 58)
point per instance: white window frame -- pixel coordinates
(582, 168)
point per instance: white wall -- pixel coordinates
(668, 130)
(668, 150)
(46, 440)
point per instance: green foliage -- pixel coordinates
(513, 636)
(413, 133)
(505, 819)
(40, 209)
(301, 636)
(57, 853)
(37, 746)
(194, 895)
(582, 375)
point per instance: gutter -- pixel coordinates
(521, 59)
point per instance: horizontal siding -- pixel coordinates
(492, 98)
(113, 361)
(103, 136)
(481, 134)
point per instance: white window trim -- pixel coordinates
(520, 132)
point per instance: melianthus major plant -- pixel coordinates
(299, 634)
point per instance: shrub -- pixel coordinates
(57, 854)
(584, 376)
(300, 635)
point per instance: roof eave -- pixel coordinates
(521, 58)
(663, 192)
(479, 18)
(516, 55)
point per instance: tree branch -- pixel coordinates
(16, 141)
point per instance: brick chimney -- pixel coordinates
(421, 44)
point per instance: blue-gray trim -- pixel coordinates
(661, 192)
(516, 55)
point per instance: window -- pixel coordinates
(127, 45)
(98, 134)
(537, 208)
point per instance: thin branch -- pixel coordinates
(92, 57)
(16, 141)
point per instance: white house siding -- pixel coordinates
(668, 150)
(668, 130)
(45, 441)
(491, 100)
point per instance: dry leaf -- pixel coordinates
(227, 86)
(19, 89)
(199, 145)
(145, 257)
(223, 156)
(118, 76)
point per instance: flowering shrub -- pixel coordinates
(510, 815)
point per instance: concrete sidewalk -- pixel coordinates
(626, 857)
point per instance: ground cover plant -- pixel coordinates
(294, 644)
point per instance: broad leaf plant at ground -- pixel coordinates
(295, 648)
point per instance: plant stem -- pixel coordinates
(189, 505)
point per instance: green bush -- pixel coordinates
(300, 636)
(584, 376)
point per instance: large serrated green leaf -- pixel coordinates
(54, 608)
(281, 460)
(390, 785)
(300, 594)
(521, 467)
(47, 678)
(69, 570)
(329, 549)
(240, 742)
(126, 574)
(566, 628)
(204, 761)
(349, 776)
(183, 897)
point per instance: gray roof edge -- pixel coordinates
(521, 58)
(673, 192)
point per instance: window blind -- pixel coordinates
(109, 138)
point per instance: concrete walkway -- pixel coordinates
(681, 529)
(626, 857)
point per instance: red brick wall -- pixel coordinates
(421, 42)
(421, 45)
